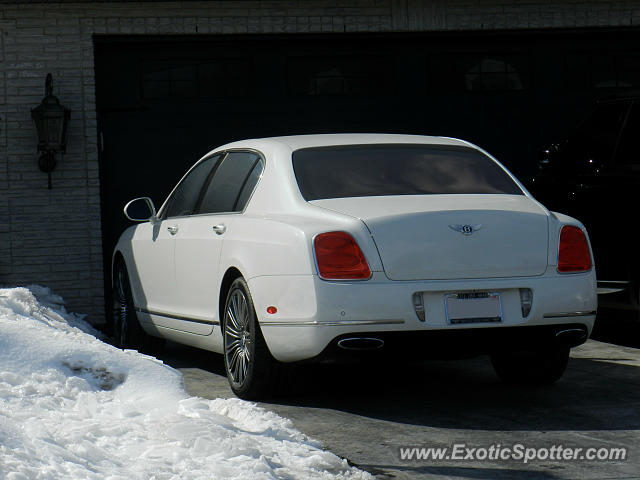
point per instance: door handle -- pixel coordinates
(173, 229)
(219, 229)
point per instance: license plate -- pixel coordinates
(473, 307)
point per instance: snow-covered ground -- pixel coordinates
(72, 406)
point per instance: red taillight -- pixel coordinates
(573, 252)
(339, 257)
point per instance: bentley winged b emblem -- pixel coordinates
(466, 229)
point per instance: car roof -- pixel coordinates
(296, 142)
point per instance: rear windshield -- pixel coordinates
(376, 170)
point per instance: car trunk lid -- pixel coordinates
(425, 237)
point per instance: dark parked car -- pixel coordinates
(594, 175)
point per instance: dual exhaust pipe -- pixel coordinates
(360, 343)
(571, 337)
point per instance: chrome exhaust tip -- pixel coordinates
(572, 337)
(360, 343)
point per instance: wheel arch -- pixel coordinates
(117, 257)
(229, 276)
(125, 256)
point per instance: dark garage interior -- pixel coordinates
(163, 102)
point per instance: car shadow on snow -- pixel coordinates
(594, 393)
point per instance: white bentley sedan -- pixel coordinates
(353, 246)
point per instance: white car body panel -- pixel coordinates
(271, 244)
(197, 257)
(511, 240)
(152, 265)
(336, 308)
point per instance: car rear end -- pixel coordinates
(445, 254)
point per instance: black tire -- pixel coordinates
(541, 366)
(127, 331)
(252, 371)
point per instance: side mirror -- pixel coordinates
(140, 209)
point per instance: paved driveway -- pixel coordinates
(366, 416)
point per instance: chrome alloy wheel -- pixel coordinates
(237, 337)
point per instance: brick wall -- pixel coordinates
(53, 237)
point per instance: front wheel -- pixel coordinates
(540, 366)
(127, 331)
(250, 368)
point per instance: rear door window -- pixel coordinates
(376, 170)
(228, 189)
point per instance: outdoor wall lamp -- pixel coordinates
(51, 120)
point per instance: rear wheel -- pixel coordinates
(540, 366)
(251, 370)
(127, 332)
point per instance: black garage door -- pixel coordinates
(164, 102)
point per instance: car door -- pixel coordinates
(154, 249)
(200, 243)
(152, 270)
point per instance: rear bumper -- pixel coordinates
(447, 344)
(313, 314)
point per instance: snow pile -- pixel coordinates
(72, 406)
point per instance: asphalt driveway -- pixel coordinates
(366, 416)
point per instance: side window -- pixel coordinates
(629, 148)
(185, 196)
(229, 179)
